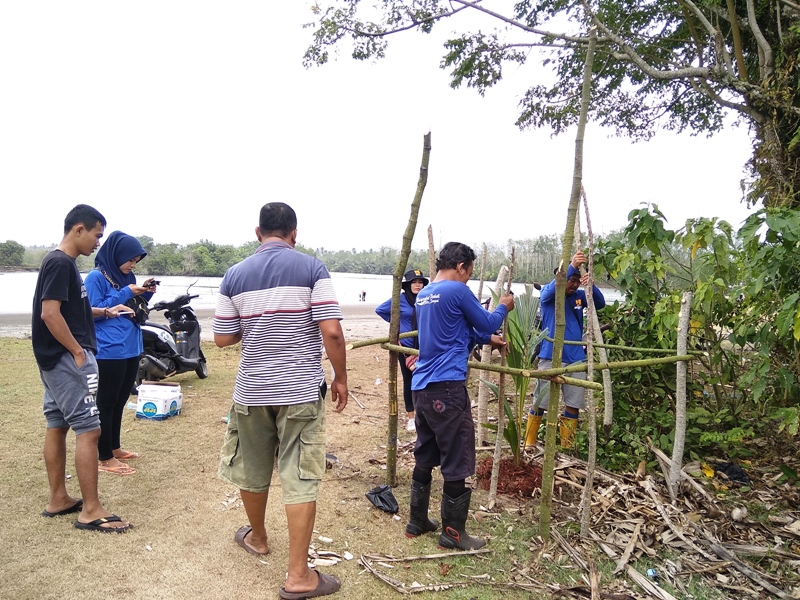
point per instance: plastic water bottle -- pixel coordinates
(182, 341)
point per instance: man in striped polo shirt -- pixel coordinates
(281, 305)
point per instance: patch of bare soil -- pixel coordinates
(515, 480)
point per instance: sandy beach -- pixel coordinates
(360, 323)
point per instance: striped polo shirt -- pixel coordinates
(276, 299)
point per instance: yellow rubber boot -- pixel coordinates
(532, 430)
(567, 428)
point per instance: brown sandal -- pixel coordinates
(241, 533)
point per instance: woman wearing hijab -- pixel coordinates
(413, 282)
(110, 286)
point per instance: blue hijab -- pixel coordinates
(118, 249)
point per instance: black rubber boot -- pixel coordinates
(454, 520)
(419, 522)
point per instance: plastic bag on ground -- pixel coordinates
(383, 498)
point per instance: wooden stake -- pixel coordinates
(486, 355)
(431, 255)
(394, 323)
(501, 402)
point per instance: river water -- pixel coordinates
(16, 290)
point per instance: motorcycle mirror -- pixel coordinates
(191, 284)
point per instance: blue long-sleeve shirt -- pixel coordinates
(573, 306)
(120, 337)
(384, 311)
(451, 321)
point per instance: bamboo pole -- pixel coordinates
(591, 418)
(381, 340)
(594, 323)
(501, 402)
(431, 255)
(486, 357)
(631, 348)
(394, 323)
(680, 398)
(574, 368)
(555, 388)
(408, 334)
(483, 273)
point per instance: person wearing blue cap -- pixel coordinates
(112, 287)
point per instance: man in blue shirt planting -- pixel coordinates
(451, 322)
(574, 303)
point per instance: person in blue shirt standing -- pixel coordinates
(574, 304)
(413, 282)
(451, 322)
(119, 341)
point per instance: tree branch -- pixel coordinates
(693, 31)
(763, 45)
(791, 5)
(737, 41)
(537, 31)
(412, 25)
(715, 33)
(702, 86)
(631, 55)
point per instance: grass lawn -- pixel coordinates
(185, 517)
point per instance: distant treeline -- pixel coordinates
(535, 258)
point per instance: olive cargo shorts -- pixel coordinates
(257, 435)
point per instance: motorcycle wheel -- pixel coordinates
(202, 369)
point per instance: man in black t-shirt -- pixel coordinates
(62, 331)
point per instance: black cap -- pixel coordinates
(414, 274)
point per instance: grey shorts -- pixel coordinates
(69, 394)
(296, 433)
(574, 397)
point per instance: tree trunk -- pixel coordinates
(394, 323)
(680, 398)
(555, 388)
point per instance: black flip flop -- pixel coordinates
(77, 507)
(328, 584)
(97, 525)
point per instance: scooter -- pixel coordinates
(175, 349)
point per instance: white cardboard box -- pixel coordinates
(159, 400)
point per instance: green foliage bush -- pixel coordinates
(744, 317)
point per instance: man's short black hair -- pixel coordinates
(454, 253)
(85, 215)
(277, 219)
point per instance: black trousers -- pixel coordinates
(116, 381)
(407, 373)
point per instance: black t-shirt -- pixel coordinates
(59, 279)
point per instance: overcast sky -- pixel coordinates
(179, 119)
